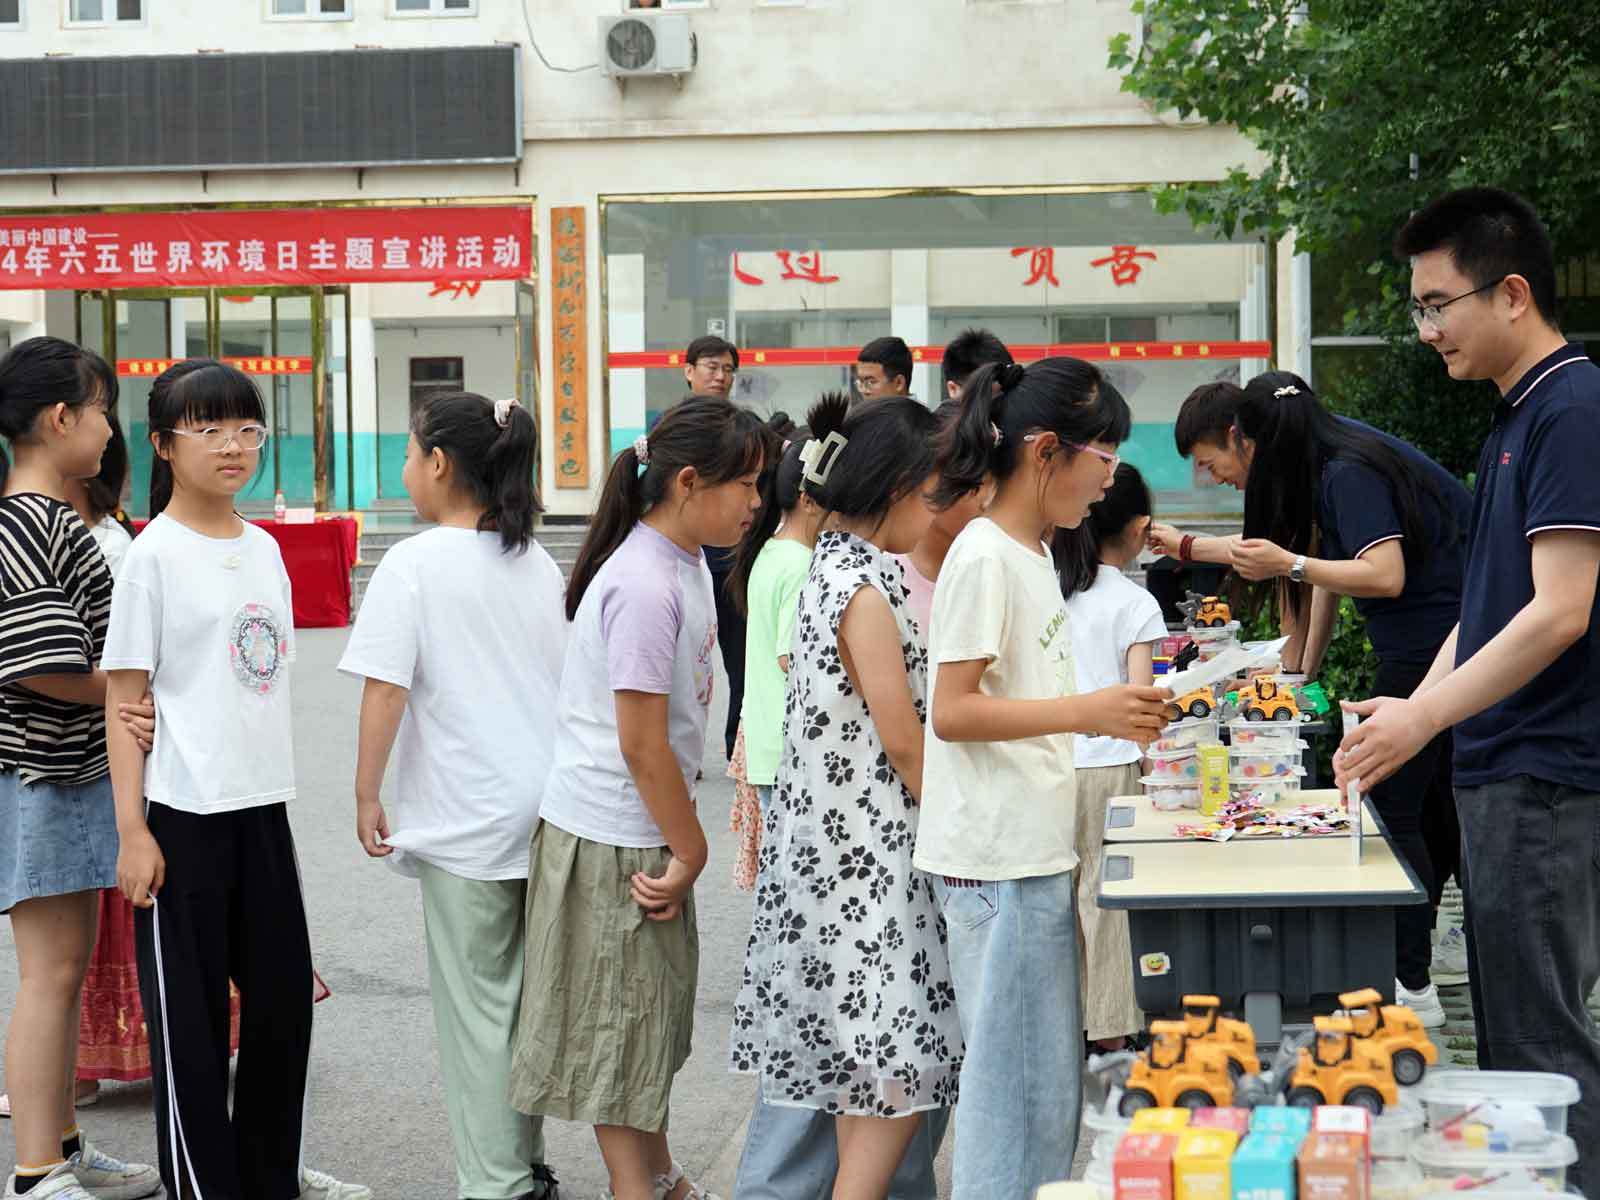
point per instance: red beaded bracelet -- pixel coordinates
(1186, 547)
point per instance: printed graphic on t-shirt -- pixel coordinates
(257, 648)
(1061, 658)
(704, 676)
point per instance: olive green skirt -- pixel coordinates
(607, 1010)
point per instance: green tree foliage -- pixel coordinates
(1361, 111)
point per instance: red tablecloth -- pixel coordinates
(319, 558)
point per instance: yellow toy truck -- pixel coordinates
(1203, 1022)
(1177, 1073)
(1340, 1068)
(1201, 702)
(1395, 1030)
(1265, 699)
(1212, 613)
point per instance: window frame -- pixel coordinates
(630, 9)
(316, 17)
(112, 22)
(20, 25)
(436, 11)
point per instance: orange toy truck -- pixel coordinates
(1177, 1073)
(1264, 699)
(1203, 1022)
(1212, 613)
(1340, 1068)
(1395, 1030)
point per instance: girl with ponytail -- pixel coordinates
(847, 948)
(612, 958)
(459, 642)
(998, 829)
(1115, 624)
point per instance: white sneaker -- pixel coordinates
(317, 1185)
(1450, 958)
(1424, 1003)
(107, 1178)
(60, 1184)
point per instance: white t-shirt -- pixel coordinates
(647, 623)
(477, 636)
(212, 621)
(999, 810)
(1114, 615)
(113, 541)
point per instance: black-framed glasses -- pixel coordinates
(1433, 314)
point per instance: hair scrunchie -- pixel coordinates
(1010, 375)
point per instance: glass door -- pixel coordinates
(275, 336)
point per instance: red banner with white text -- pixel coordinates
(296, 247)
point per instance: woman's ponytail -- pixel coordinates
(513, 460)
(969, 446)
(620, 507)
(780, 496)
(720, 440)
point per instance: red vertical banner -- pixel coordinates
(569, 318)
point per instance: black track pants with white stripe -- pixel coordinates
(230, 908)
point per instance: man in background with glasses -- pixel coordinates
(1516, 679)
(710, 363)
(883, 368)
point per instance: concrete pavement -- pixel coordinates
(376, 1110)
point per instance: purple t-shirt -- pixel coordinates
(647, 623)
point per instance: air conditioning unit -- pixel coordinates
(640, 44)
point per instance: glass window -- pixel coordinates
(312, 10)
(100, 12)
(799, 285)
(425, 8)
(10, 14)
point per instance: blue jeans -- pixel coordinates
(791, 1154)
(1014, 963)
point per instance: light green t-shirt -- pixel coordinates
(774, 597)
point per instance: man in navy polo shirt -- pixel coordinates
(1519, 680)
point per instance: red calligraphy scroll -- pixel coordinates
(266, 247)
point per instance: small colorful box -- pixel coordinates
(1213, 778)
(1334, 1166)
(1160, 1120)
(1200, 1168)
(1337, 1118)
(1236, 1120)
(1142, 1169)
(1264, 1167)
(1292, 1122)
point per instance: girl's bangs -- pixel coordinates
(744, 449)
(1110, 414)
(217, 393)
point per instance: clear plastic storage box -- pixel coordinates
(1251, 765)
(1264, 736)
(1449, 1095)
(1172, 797)
(1450, 1166)
(1187, 734)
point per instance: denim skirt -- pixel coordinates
(55, 838)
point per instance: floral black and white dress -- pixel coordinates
(846, 1004)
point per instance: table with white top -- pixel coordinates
(1269, 924)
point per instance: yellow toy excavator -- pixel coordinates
(1204, 1023)
(1340, 1068)
(1395, 1030)
(1177, 1073)
(1264, 699)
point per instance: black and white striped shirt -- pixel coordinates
(55, 601)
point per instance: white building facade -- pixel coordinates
(826, 172)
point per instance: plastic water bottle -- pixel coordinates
(278, 508)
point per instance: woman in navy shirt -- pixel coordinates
(1350, 511)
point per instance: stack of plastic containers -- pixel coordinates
(1499, 1131)
(1174, 778)
(1265, 756)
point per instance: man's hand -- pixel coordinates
(372, 827)
(662, 896)
(1390, 735)
(1257, 559)
(140, 719)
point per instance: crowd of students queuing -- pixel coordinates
(946, 673)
